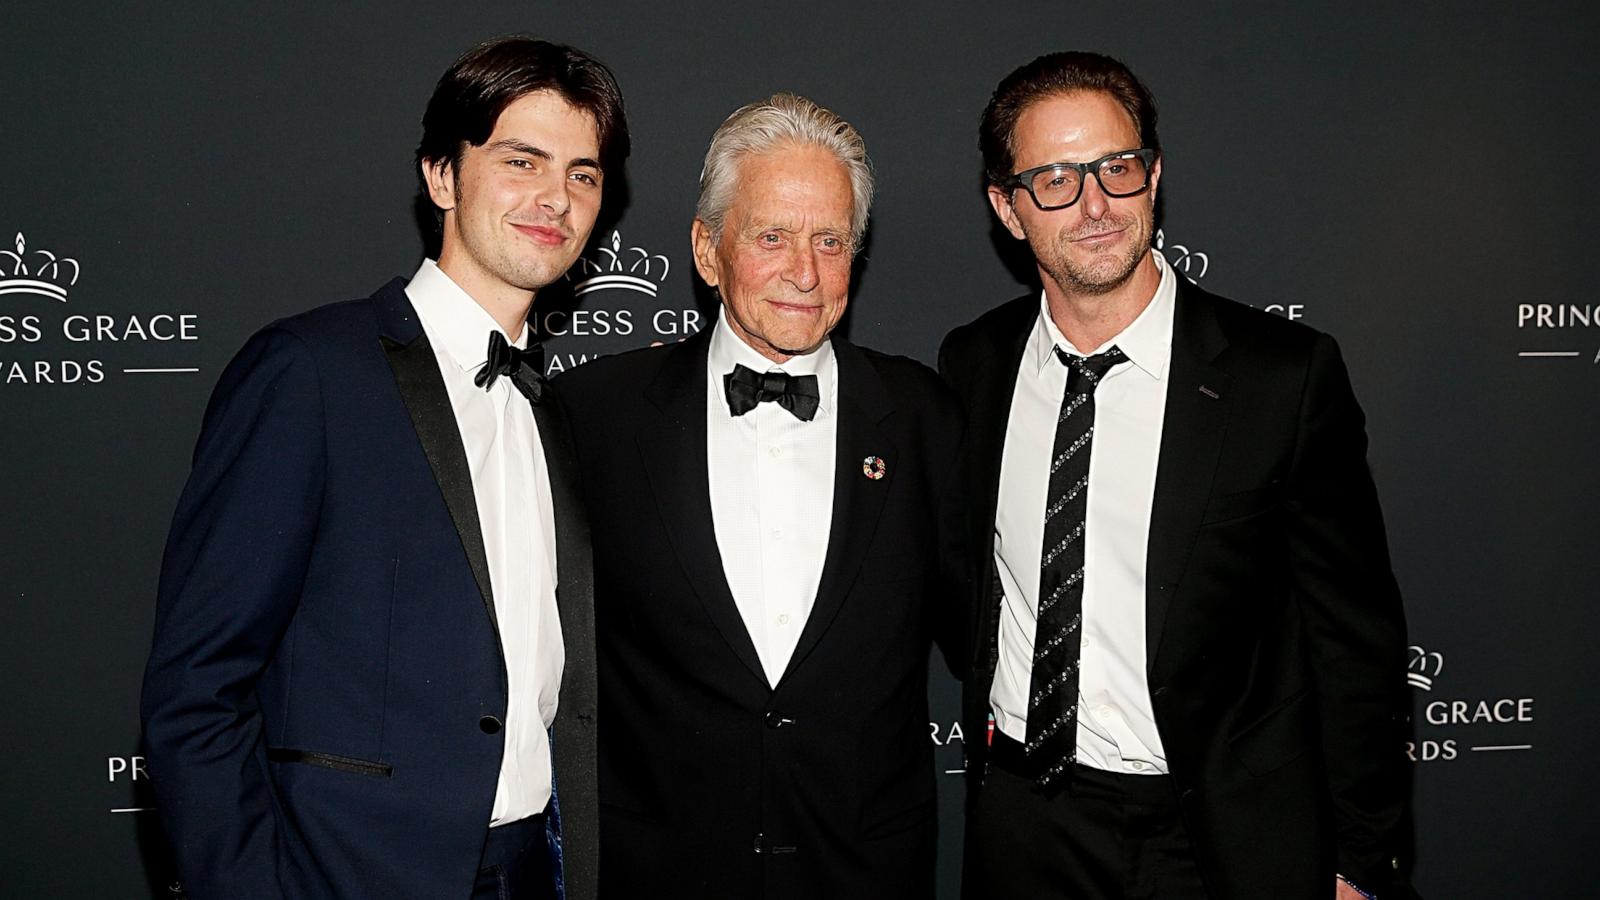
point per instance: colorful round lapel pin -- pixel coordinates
(873, 467)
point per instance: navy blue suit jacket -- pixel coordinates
(323, 699)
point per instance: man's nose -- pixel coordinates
(802, 271)
(1094, 201)
(551, 194)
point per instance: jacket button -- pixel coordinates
(775, 719)
(489, 725)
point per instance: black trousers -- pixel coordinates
(1107, 836)
(517, 863)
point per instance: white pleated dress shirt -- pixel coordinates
(771, 494)
(1116, 720)
(511, 486)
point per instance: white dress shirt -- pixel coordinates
(1116, 721)
(771, 494)
(512, 488)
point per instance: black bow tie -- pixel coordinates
(747, 389)
(525, 368)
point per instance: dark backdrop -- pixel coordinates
(1415, 180)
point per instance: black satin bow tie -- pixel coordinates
(525, 368)
(747, 389)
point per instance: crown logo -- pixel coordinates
(47, 277)
(1423, 667)
(633, 269)
(1184, 260)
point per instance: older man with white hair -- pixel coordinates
(770, 505)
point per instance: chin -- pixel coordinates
(532, 278)
(791, 344)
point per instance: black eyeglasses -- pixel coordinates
(1059, 185)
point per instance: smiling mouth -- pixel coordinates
(794, 307)
(542, 234)
(1099, 237)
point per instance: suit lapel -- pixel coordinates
(864, 403)
(416, 371)
(673, 450)
(1199, 400)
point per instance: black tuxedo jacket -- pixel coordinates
(324, 697)
(714, 784)
(1275, 638)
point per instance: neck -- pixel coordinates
(508, 306)
(1090, 319)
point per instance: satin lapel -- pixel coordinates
(1199, 400)
(574, 558)
(673, 450)
(416, 371)
(864, 403)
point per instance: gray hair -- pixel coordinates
(767, 124)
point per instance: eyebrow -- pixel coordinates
(516, 146)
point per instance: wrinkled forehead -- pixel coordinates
(795, 186)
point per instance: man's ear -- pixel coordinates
(1000, 202)
(1155, 180)
(705, 252)
(438, 175)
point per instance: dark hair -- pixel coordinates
(1053, 74)
(478, 87)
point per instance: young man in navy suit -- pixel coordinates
(1187, 632)
(373, 667)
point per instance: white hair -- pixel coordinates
(766, 125)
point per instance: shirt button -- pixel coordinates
(783, 619)
(1105, 712)
(774, 451)
(1137, 764)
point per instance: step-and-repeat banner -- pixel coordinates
(1418, 180)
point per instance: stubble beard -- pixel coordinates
(1105, 272)
(530, 273)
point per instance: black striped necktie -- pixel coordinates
(1051, 743)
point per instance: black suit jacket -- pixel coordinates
(714, 784)
(1275, 640)
(322, 700)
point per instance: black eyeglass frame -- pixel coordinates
(1024, 179)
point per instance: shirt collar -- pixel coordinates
(728, 350)
(1147, 341)
(453, 320)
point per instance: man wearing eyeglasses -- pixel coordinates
(1187, 632)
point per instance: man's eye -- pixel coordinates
(520, 163)
(771, 239)
(585, 178)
